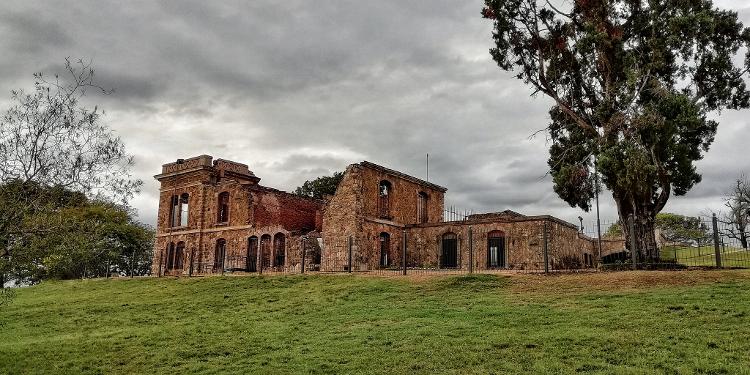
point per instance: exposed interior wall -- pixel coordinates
(342, 218)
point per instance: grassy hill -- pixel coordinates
(628, 322)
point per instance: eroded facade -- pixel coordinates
(215, 216)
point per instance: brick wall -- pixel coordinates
(254, 210)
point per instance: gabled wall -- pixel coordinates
(342, 218)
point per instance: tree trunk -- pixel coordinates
(644, 220)
(743, 239)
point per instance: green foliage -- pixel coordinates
(320, 187)
(59, 165)
(356, 325)
(678, 228)
(614, 230)
(674, 228)
(633, 84)
(67, 235)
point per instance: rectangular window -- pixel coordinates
(422, 207)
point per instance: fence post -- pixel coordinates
(304, 252)
(192, 259)
(633, 243)
(717, 249)
(403, 253)
(351, 240)
(471, 251)
(545, 248)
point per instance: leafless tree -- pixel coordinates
(736, 219)
(48, 138)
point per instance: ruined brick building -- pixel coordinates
(215, 216)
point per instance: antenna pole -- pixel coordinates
(428, 167)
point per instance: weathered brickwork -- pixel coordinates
(360, 210)
(356, 212)
(215, 216)
(226, 209)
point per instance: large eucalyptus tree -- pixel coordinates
(634, 85)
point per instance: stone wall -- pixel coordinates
(403, 198)
(523, 242)
(342, 218)
(568, 248)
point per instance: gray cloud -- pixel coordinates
(298, 89)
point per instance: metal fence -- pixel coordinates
(548, 246)
(705, 243)
(542, 246)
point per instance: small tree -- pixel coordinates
(633, 83)
(320, 187)
(736, 219)
(47, 138)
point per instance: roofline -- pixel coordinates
(501, 220)
(402, 175)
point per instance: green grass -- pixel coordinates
(628, 322)
(706, 257)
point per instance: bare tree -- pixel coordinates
(737, 216)
(47, 138)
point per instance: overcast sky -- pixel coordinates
(297, 89)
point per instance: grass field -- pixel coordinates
(626, 322)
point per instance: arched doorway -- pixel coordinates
(496, 249)
(279, 250)
(449, 253)
(385, 249)
(179, 256)
(170, 256)
(265, 251)
(219, 254)
(252, 254)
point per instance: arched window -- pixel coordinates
(219, 254)
(385, 249)
(496, 249)
(170, 256)
(384, 199)
(179, 256)
(184, 209)
(279, 250)
(252, 254)
(265, 251)
(422, 207)
(223, 208)
(449, 252)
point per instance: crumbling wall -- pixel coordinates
(342, 218)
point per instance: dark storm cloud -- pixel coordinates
(298, 89)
